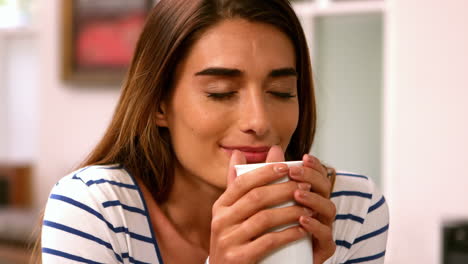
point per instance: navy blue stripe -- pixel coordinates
(81, 259)
(136, 236)
(351, 193)
(126, 207)
(148, 218)
(119, 184)
(343, 243)
(132, 260)
(82, 234)
(99, 216)
(352, 175)
(377, 205)
(372, 234)
(68, 256)
(75, 176)
(350, 217)
(138, 262)
(364, 259)
(100, 181)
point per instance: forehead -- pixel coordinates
(240, 44)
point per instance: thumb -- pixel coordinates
(236, 158)
(275, 154)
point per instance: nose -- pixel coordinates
(254, 115)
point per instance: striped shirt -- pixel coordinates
(98, 215)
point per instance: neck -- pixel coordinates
(189, 208)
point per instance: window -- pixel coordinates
(16, 13)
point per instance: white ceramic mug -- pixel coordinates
(297, 252)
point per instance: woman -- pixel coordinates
(213, 83)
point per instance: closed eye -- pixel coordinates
(283, 95)
(220, 96)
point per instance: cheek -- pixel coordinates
(203, 122)
(286, 120)
(196, 133)
(196, 127)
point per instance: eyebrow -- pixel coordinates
(218, 71)
(283, 72)
(228, 72)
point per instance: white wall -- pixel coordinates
(72, 119)
(18, 96)
(3, 102)
(426, 162)
(21, 83)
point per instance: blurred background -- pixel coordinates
(392, 90)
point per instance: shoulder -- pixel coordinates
(362, 214)
(348, 181)
(93, 189)
(353, 188)
(101, 209)
(86, 191)
(92, 176)
(100, 183)
(358, 195)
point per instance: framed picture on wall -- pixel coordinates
(99, 38)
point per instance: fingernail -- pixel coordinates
(304, 186)
(296, 171)
(308, 211)
(303, 194)
(280, 168)
(306, 219)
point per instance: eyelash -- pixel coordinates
(224, 96)
(221, 96)
(283, 95)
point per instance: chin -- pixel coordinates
(221, 186)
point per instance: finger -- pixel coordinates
(323, 236)
(268, 220)
(272, 220)
(236, 158)
(261, 198)
(265, 244)
(275, 154)
(250, 180)
(318, 183)
(325, 208)
(256, 250)
(313, 226)
(314, 163)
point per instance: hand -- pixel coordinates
(242, 215)
(313, 175)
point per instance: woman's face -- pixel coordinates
(235, 89)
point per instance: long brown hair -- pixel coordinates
(133, 139)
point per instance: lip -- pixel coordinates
(252, 154)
